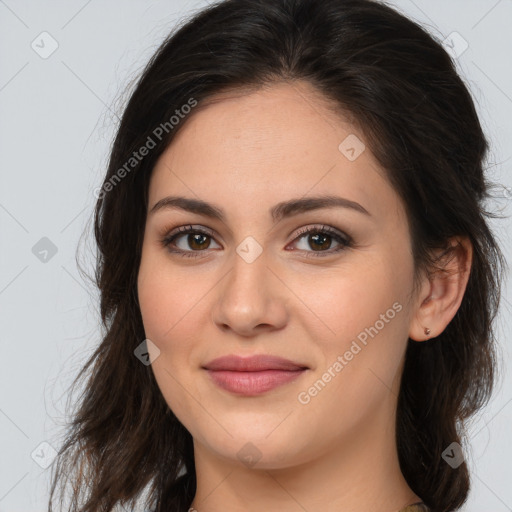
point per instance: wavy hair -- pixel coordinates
(124, 446)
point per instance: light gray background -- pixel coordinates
(57, 118)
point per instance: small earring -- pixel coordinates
(427, 331)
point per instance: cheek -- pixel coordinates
(167, 315)
(360, 315)
(342, 303)
(174, 309)
(360, 353)
(164, 296)
(168, 318)
(156, 304)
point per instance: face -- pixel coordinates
(335, 300)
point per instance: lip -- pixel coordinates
(253, 375)
(254, 363)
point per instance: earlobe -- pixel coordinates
(420, 329)
(442, 293)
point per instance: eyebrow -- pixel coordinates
(277, 212)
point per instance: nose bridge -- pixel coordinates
(249, 295)
(249, 262)
(248, 277)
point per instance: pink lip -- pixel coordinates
(252, 375)
(252, 363)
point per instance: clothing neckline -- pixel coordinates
(415, 507)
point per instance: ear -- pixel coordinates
(441, 293)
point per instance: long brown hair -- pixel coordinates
(124, 445)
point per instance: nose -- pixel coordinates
(250, 298)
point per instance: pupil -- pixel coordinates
(315, 237)
(195, 238)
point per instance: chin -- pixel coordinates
(258, 451)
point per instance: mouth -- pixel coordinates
(253, 375)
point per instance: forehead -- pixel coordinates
(268, 145)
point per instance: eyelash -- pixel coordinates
(345, 241)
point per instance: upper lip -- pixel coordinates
(253, 363)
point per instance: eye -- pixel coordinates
(198, 239)
(320, 238)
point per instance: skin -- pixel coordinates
(246, 152)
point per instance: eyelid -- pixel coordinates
(189, 227)
(170, 232)
(343, 239)
(321, 228)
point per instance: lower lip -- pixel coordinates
(252, 383)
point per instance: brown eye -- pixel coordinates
(198, 241)
(320, 240)
(193, 241)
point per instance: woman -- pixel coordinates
(297, 278)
